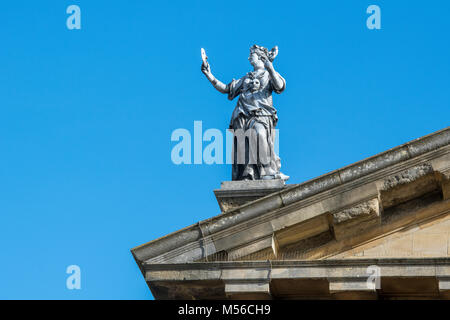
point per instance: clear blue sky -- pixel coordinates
(86, 117)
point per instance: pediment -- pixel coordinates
(299, 223)
(393, 206)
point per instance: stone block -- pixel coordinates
(444, 284)
(443, 271)
(297, 216)
(337, 286)
(303, 230)
(407, 185)
(245, 274)
(252, 184)
(444, 179)
(347, 198)
(233, 194)
(247, 250)
(367, 208)
(356, 219)
(236, 239)
(247, 290)
(258, 287)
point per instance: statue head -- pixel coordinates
(259, 54)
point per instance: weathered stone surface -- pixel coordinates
(192, 251)
(441, 163)
(167, 243)
(441, 166)
(303, 230)
(244, 251)
(408, 184)
(189, 290)
(249, 287)
(236, 200)
(427, 278)
(233, 194)
(186, 274)
(444, 177)
(296, 216)
(314, 247)
(252, 184)
(412, 210)
(310, 188)
(350, 285)
(407, 176)
(248, 235)
(444, 284)
(429, 143)
(374, 163)
(245, 274)
(367, 208)
(262, 206)
(355, 220)
(350, 197)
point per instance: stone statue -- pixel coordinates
(254, 116)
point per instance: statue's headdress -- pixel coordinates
(263, 52)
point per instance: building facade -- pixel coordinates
(376, 229)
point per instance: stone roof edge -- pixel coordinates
(296, 192)
(296, 263)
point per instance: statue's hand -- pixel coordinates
(268, 64)
(206, 69)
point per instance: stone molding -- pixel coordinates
(340, 276)
(233, 194)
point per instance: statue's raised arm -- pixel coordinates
(277, 80)
(206, 69)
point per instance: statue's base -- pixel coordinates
(233, 194)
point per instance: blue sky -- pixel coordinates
(86, 117)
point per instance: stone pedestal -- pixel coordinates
(233, 194)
